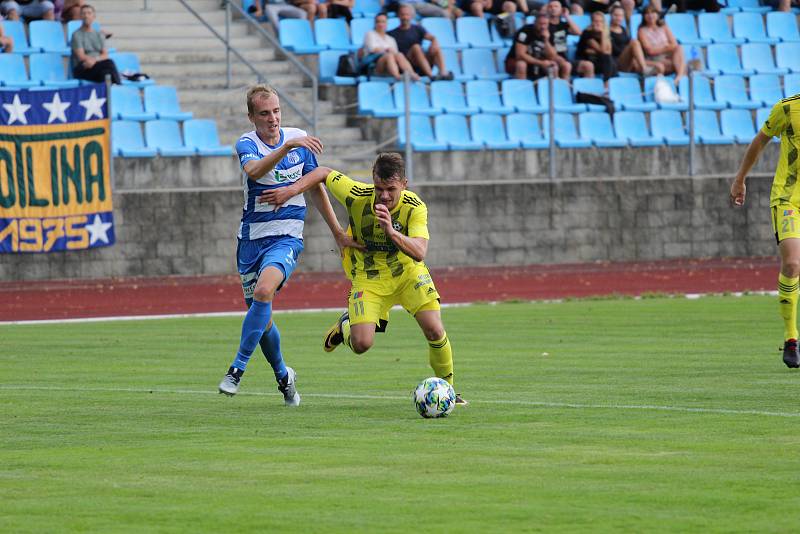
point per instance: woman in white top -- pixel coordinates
(661, 50)
(380, 54)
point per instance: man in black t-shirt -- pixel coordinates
(409, 39)
(532, 54)
(561, 25)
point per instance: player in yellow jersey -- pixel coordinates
(392, 225)
(783, 121)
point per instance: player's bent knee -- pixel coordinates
(262, 294)
(361, 345)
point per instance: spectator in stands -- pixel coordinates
(341, 9)
(561, 25)
(661, 50)
(594, 50)
(477, 8)
(380, 54)
(89, 54)
(604, 6)
(409, 39)
(313, 8)
(532, 54)
(428, 8)
(682, 6)
(29, 9)
(781, 5)
(626, 52)
(6, 41)
(70, 10)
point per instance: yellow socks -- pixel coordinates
(346, 334)
(440, 355)
(787, 303)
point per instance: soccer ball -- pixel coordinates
(434, 397)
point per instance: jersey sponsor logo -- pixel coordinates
(372, 246)
(249, 284)
(288, 175)
(424, 279)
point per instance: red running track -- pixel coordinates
(36, 300)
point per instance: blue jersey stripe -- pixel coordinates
(289, 212)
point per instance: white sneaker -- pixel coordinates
(287, 386)
(230, 383)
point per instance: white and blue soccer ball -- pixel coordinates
(434, 397)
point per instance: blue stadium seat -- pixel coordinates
(484, 95)
(296, 35)
(703, 97)
(706, 129)
(520, 95)
(49, 69)
(631, 126)
(786, 55)
(126, 104)
(48, 36)
(765, 89)
(783, 26)
(758, 57)
(589, 85)
(165, 137)
(479, 63)
(488, 129)
(791, 85)
(474, 32)
(328, 63)
(16, 30)
(449, 96)
(761, 116)
(562, 97)
(442, 29)
(738, 124)
(747, 6)
(13, 72)
(359, 28)
(732, 91)
(163, 100)
(333, 34)
(128, 63)
(714, 27)
(524, 128)
(452, 129)
(683, 27)
(422, 138)
(668, 125)
(565, 134)
(453, 64)
(418, 96)
(583, 21)
(627, 95)
(649, 94)
(724, 59)
(366, 8)
(201, 135)
(751, 27)
(636, 21)
(596, 127)
(376, 99)
(127, 140)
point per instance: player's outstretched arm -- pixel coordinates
(738, 187)
(277, 197)
(413, 247)
(319, 197)
(257, 168)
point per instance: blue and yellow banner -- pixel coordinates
(55, 179)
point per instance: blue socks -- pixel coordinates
(253, 333)
(271, 346)
(255, 322)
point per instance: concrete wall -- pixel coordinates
(495, 223)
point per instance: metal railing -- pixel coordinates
(226, 39)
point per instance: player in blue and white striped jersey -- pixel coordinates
(270, 238)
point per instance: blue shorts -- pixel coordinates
(253, 256)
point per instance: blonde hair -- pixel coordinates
(256, 90)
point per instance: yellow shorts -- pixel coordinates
(785, 221)
(370, 301)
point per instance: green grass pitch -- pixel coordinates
(644, 415)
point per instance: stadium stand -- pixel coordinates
(442, 29)
(786, 55)
(738, 125)
(127, 140)
(627, 95)
(724, 59)
(449, 96)
(520, 95)
(783, 26)
(165, 137)
(452, 129)
(296, 36)
(565, 133)
(474, 32)
(589, 85)
(334, 34)
(684, 28)
(706, 129)
(421, 134)
(757, 57)
(49, 70)
(631, 126)
(487, 128)
(668, 125)
(703, 96)
(751, 27)
(765, 89)
(418, 96)
(484, 95)
(596, 127)
(163, 101)
(13, 73)
(16, 30)
(479, 63)
(524, 128)
(562, 96)
(127, 104)
(201, 135)
(714, 27)
(377, 99)
(731, 90)
(791, 84)
(48, 36)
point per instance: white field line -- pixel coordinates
(690, 296)
(393, 398)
